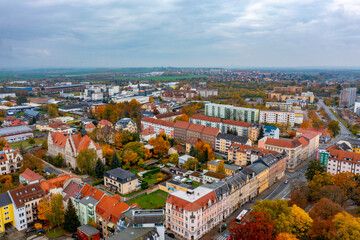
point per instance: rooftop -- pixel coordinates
(14, 130)
(232, 138)
(30, 175)
(5, 199)
(88, 230)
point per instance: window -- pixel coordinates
(7, 218)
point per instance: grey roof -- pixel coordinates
(343, 146)
(258, 167)
(268, 160)
(31, 113)
(249, 172)
(74, 106)
(353, 141)
(125, 121)
(131, 233)
(228, 166)
(121, 175)
(236, 180)
(5, 199)
(220, 189)
(86, 200)
(14, 130)
(88, 230)
(232, 138)
(181, 184)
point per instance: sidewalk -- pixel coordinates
(213, 234)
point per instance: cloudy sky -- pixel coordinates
(179, 33)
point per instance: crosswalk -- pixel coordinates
(223, 236)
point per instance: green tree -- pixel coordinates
(31, 140)
(99, 169)
(71, 222)
(314, 166)
(174, 158)
(44, 145)
(221, 168)
(261, 133)
(20, 100)
(333, 125)
(192, 151)
(115, 163)
(86, 160)
(58, 160)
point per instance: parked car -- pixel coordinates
(286, 181)
(171, 235)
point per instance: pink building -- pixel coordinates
(159, 126)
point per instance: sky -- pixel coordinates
(179, 33)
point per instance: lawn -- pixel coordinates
(195, 184)
(340, 119)
(25, 144)
(55, 233)
(153, 200)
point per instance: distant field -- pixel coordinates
(162, 78)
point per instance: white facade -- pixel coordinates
(336, 166)
(277, 117)
(357, 108)
(19, 216)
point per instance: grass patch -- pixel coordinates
(132, 193)
(195, 184)
(340, 119)
(55, 233)
(153, 200)
(25, 144)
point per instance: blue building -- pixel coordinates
(271, 131)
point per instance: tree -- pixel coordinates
(182, 117)
(174, 158)
(20, 100)
(325, 209)
(256, 225)
(2, 143)
(333, 125)
(151, 99)
(322, 230)
(115, 163)
(33, 163)
(305, 125)
(279, 211)
(58, 160)
(192, 151)
(347, 226)
(86, 160)
(71, 222)
(31, 140)
(286, 236)
(261, 133)
(44, 145)
(107, 152)
(298, 198)
(44, 208)
(99, 169)
(204, 152)
(334, 193)
(161, 146)
(190, 164)
(302, 222)
(345, 181)
(314, 166)
(221, 167)
(51, 209)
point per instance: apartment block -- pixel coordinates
(268, 116)
(279, 106)
(347, 97)
(224, 141)
(6, 211)
(242, 155)
(229, 169)
(122, 181)
(232, 113)
(159, 126)
(342, 161)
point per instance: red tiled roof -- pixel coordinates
(211, 131)
(158, 122)
(17, 122)
(206, 118)
(105, 122)
(182, 124)
(80, 142)
(245, 148)
(179, 148)
(148, 131)
(93, 192)
(57, 182)
(303, 141)
(191, 206)
(193, 140)
(283, 143)
(30, 175)
(237, 123)
(24, 194)
(111, 208)
(320, 130)
(10, 118)
(89, 125)
(169, 114)
(196, 127)
(72, 190)
(344, 156)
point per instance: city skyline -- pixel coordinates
(230, 34)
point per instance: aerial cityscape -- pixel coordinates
(233, 120)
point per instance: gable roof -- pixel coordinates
(294, 143)
(57, 182)
(205, 118)
(111, 208)
(72, 190)
(5, 199)
(105, 122)
(158, 122)
(30, 175)
(89, 125)
(81, 142)
(121, 175)
(22, 195)
(233, 138)
(236, 123)
(91, 191)
(182, 124)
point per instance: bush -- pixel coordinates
(144, 185)
(98, 182)
(151, 172)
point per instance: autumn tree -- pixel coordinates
(71, 220)
(305, 125)
(174, 158)
(51, 209)
(301, 222)
(314, 167)
(322, 230)
(190, 164)
(107, 152)
(160, 146)
(334, 193)
(347, 226)
(325, 209)
(86, 160)
(221, 168)
(3, 141)
(333, 126)
(204, 152)
(286, 236)
(256, 225)
(345, 181)
(182, 117)
(299, 198)
(6, 183)
(33, 163)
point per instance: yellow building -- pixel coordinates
(6, 211)
(262, 175)
(229, 169)
(173, 185)
(355, 144)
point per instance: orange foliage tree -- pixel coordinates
(161, 146)
(325, 209)
(305, 125)
(107, 152)
(183, 117)
(204, 152)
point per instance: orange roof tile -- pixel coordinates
(105, 122)
(206, 118)
(30, 175)
(91, 191)
(89, 125)
(111, 208)
(303, 141)
(158, 122)
(210, 131)
(182, 124)
(237, 123)
(283, 143)
(57, 182)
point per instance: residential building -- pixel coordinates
(229, 169)
(16, 134)
(342, 161)
(10, 160)
(192, 214)
(222, 191)
(268, 116)
(307, 97)
(292, 89)
(126, 124)
(210, 177)
(26, 198)
(71, 191)
(347, 97)
(323, 156)
(312, 137)
(207, 92)
(244, 155)
(170, 116)
(76, 107)
(196, 176)
(184, 158)
(69, 146)
(104, 123)
(175, 185)
(355, 144)
(279, 106)
(276, 164)
(191, 143)
(89, 127)
(30, 177)
(239, 190)
(135, 233)
(357, 108)
(254, 132)
(121, 181)
(87, 232)
(324, 134)
(271, 131)
(224, 141)
(292, 147)
(11, 121)
(232, 113)
(262, 175)
(148, 134)
(108, 212)
(58, 184)
(55, 127)
(159, 126)
(6, 211)
(31, 114)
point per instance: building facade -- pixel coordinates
(10, 160)
(121, 181)
(232, 113)
(347, 97)
(267, 116)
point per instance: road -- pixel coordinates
(51, 170)
(344, 132)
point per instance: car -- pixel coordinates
(171, 235)
(286, 181)
(30, 230)
(74, 235)
(162, 165)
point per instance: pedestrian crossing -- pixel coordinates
(223, 236)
